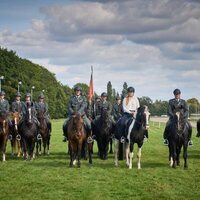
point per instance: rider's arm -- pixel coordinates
(169, 110)
(70, 109)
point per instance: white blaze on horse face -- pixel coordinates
(178, 117)
(15, 123)
(29, 112)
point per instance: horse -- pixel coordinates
(178, 133)
(4, 132)
(135, 135)
(103, 129)
(198, 128)
(28, 132)
(16, 137)
(77, 137)
(44, 132)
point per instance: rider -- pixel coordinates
(101, 105)
(77, 104)
(4, 108)
(130, 105)
(117, 109)
(175, 105)
(42, 106)
(24, 110)
(17, 104)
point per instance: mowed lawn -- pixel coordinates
(50, 177)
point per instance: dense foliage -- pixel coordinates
(15, 69)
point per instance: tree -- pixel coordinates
(193, 105)
(109, 91)
(124, 91)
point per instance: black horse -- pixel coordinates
(28, 131)
(136, 135)
(103, 129)
(178, 134)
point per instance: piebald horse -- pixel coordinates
(4, 132)
(136, 132)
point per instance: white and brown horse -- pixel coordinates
(136, 132)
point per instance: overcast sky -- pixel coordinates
(153, 45)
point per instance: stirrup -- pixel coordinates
(122, 139)
(18, 137)
(90, 140)
(39, 137)
(10, 137)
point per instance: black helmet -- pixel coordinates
(2, 93)
(41, 96)
(118, 98)
(104, 94)
(28, 94)
(131, 89)
(18, 94)
(77, 88)
(177, 91)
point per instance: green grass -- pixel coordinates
(51, 178)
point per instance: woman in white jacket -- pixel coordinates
(130, 105)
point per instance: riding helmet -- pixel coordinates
(77, 88)
(177, 91)
(41, 96)
(118, 98)
(104, 94)
(2, 93)
(28, 95)
(18, 94)
(131, 89)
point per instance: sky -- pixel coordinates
(153, 45)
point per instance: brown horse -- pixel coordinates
(4, 132)
(16, 137)
(77, 137)
(45, 133)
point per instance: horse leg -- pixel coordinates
(44, 145)
(111, 149)
(12, 147)
(40, 147)
(90, 148)
(71, 154)
(178, 155)
(170, 155)
(18, 148)
(174, 155)
(127, 154)
(25, 149)
(48, 144)
(4, 149)
(139, 157)
(116, 143)
(130, 156)
(185, 146)
(37, 147)
(79, 153)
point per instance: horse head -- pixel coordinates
(78, 123)
(143, 116)
(179, 119)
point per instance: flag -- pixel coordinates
(91, 89)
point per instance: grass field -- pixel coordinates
(51, 178)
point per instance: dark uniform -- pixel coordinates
(77, 104)
(175, 105)
(42, 106)
(17, 105)
(117, 111)
(4, 105)
(103, 105)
